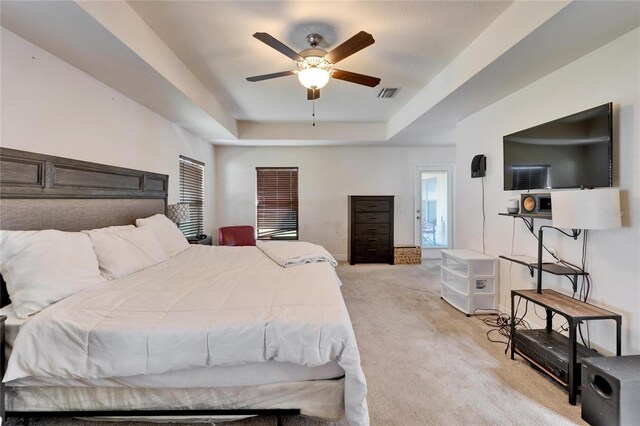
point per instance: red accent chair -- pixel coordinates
(237, 236)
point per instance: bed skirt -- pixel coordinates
(319, 398)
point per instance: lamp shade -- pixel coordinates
(178, 213)
(586, 209)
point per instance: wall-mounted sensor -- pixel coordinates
(478, 166)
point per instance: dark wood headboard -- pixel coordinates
(40, 191)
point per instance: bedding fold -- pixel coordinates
(295, 253)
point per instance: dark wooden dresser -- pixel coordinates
(370, 229)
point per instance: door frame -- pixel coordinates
(432, 253)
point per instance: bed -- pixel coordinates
(211, 330)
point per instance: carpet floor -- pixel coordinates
(425, 362)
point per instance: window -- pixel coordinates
(528, 177)
(192, 193)
(277, 203)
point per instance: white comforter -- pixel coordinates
(207, 306)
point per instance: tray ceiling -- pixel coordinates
(188, 60)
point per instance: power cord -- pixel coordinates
(500, 323)
(560, 261)
(483, 218)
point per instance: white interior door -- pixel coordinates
(434, 209)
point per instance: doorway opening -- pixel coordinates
(434, 209)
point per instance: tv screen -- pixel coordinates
(570, 152)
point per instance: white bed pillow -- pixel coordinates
(121, 253)
(43, 267)
(111, 229)
(170, 237)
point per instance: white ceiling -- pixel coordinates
(188, 60)
(414, 42)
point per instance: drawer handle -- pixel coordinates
(372, 239)
(372, 229)
(372, 249)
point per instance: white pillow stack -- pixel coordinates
(123, 250)
(167, 233)
(43, 267)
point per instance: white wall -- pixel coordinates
(609, 74)
(50, 107)
(327, 175)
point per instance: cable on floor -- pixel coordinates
(500, 323)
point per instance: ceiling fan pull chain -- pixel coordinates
(313, 113)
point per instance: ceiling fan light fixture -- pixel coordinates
(314, 72)
(315, 64)
(313, 78)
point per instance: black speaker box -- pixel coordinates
(478, 166)
(611, 390)
(535, 203)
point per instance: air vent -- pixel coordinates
(388, 92)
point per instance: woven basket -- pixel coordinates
(407, 255)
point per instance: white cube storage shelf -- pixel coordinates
(469, 280)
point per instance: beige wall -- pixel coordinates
(609, 74)
(50, 107)
(327, 175)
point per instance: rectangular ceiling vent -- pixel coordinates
(388, 92)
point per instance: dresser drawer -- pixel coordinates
(372, 229)
(378, 217)
(371, 206)
(371, 253)
(371, 240)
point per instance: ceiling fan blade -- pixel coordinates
(269, 76)
(365, 80)
(278, 45)
(313, 94)
(349, 47)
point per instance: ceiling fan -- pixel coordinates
(315, 64)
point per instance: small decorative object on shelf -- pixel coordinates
(469, 280)
(513, 206)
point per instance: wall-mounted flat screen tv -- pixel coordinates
(571, 152)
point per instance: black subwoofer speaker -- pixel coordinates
(611, 390)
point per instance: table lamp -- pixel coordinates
(178, 213)
(581, 210)
(586, 209)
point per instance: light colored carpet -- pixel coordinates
(425, 362)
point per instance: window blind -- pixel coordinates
(277, 203)
(530, 177)
(192, 193)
